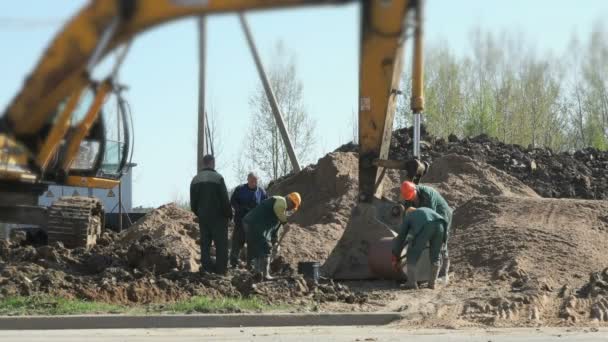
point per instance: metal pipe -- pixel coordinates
(107, 35)
(417, 135)
(271, 98)
(417, 104)
(120, 58)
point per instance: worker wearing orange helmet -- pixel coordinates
(420, 227)
(419, 196)
(262, 227)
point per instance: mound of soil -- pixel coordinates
(571, 174)
(154, 261)
(531, 247)
(329, 191)
(459, 178)
(165, 239)
(329, 194)
(555, 239)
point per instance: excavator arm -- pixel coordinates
(103, 25)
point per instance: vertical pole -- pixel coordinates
(118, 140)
(209, 136)
(201, 143)
(271, 98)
(120, 206)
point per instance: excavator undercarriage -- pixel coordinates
(73, 221)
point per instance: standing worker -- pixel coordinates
(262, 228)
(420, 226)
(424, 196)
(209, 201)
(244, 198)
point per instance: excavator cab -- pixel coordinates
(94, 158)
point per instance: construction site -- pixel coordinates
(519, 258)
(528, 232)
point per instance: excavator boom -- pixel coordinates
(65, 67)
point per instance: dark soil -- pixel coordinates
(577, 174)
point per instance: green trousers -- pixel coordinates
(431, 233)
(216, 233)
(259, 241)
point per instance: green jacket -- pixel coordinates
(265, 219)
(412, 225)
(431, 198)
(209, 197)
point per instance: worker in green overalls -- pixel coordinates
(262, 225)
(420, 196)
(420, 226)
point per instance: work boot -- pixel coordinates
(434, 276)
(412, 280)
(257, 269)
(445, 269)
(266, 268)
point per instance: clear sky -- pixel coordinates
(161, 70)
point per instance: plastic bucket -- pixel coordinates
(309, 269)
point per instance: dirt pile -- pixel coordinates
(531, 247)
(579, 174)
(556, 239)
(164, 239)
(460, 178)
(154, 261)
(329, 193)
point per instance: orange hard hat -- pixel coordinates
(296, 199)
(408, 190)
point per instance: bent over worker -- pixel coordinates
(262, 226)
(420, 226)
(209, 201)
(420, 196)
(244, 198)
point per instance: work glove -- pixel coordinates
(276, 249)
(395, 263)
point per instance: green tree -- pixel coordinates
(264, 150)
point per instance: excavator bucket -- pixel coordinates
(369, 223)
(365, 239)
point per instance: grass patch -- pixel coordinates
(217, 305)
(47, 305)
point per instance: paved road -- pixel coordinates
(292, 334)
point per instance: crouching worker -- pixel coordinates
(420, 196)
(420, 226)
(262, 227)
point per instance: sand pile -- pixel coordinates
(328, 190)
(460, 178)
(559, 240)
(536, 250)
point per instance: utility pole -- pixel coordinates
(270, 95)
(201, 141)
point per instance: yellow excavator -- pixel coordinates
(44, 141)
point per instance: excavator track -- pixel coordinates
(75, 221)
